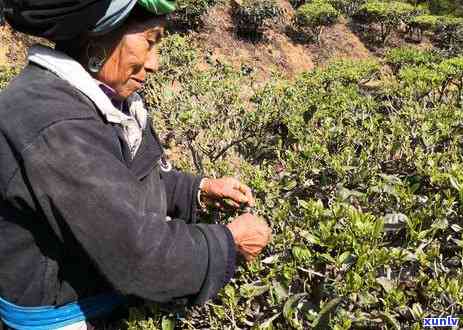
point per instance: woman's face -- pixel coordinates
(132, 58)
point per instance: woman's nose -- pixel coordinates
(152, 63)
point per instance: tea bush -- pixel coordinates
(446, 31)
(347, 7)
(358, 171)
(251, 15)
(312, 17)
(189, 12)
(424, 23)
(397, 58)
(446, 7)
(449, 35)
(388, 15)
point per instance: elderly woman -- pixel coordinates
(91, 211)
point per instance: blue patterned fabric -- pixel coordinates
(117, 11)
(51, 317)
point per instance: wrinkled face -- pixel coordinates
(133, 56)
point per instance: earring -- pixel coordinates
(94, 64)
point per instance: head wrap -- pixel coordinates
(116, 13)
(59, 20)
(2, 13)
(54, 20)
(118, 10)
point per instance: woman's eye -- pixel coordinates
(151, 44)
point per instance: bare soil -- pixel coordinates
(338, 41)
(277, 50)
(274, 51)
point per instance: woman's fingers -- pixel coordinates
(232, 202)
(240, 192)
(237, 198)
(248, 193)
(229, 189)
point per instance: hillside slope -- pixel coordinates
(277, 51)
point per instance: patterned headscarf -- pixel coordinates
(60, 20)
(118, 10)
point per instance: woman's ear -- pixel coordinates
(96, 56)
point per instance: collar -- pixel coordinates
(71, 71)
(111, 93)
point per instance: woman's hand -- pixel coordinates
(251, 235)
(227, 188)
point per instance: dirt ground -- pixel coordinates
(276, 50)
(338, 41)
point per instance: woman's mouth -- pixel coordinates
(138, 81)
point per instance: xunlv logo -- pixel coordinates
(440, 321)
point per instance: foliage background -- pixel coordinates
(357, 164)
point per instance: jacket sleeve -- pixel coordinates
(80, 185)
(182, 191)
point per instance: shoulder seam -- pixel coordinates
(73, 91)
(40, 133)
(52, 124)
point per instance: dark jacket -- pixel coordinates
(77, 217)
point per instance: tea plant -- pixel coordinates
(312, 17)
(347, 7)
(449, 35)
(423, 23)
(251, 15)
(189, 12)
(446, 7)
(398, 58)
(358, 171)
(388, 15)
